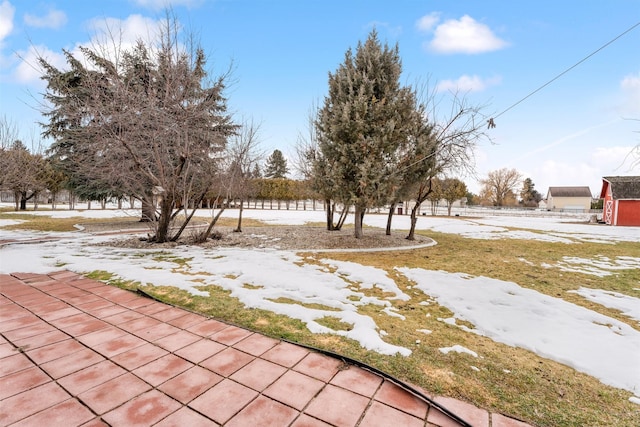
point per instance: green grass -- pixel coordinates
(512, 381)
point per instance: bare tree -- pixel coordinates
(500, 185)
(243, 157)
(456, 136)
(147, 122)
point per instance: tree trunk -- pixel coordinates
(358, 222)
(213, 222)
(162, 231)
(148, 211)
(239, 227)
(414, 221)
(390, 217)
(329, 209)
(23, 201)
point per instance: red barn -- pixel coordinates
(621, 196)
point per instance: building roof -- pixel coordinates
(569, 192)
(624, 187)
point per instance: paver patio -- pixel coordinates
(77, 352)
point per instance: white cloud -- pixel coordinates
(6, 20)
(630, 86)
(467, 83)
(29, 71)
(127, 31)
(465, 35)
(54, 19)
(428, 22)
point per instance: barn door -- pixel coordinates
(608, 211)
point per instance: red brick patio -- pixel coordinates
(77, 352)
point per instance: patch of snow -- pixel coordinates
(635, 399)
(458, 349)
(629, 306)
(424, 331)
(598, 345)
(368, 277)
(475, 368)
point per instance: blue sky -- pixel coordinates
(574, 131)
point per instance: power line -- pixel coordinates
(569, 69)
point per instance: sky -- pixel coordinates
(504, 311)
(580, 126)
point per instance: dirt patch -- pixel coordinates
(298, 238)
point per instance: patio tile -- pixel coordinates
(21, 381)
(86, 327)
(41, 340)
(256, 344)
(96, 422)
(305, 420)
(186, 417)
(190, 384)
(230, 335)
(7, 350)
(54, 351)
(103, 335)
(294, 389)
(207, 328)
(160, 370)
(436, 417)
(73, 362)
(94, 306)
(398, 398)
(122, 317)
(34, 328)
(498, 420)
(119, 345)
(65, 414)
(107, 311)
(156, 332)
(144, 322)
(258, 374)
(90, 377)
(31, 401)
(169, 313)
(468, 412)
(59, 314)
(337, 406)
(142, 411)
(318, 366)
(200, 350)
(138, 356)
(234, 395)
(177, 341)
(285, 354)
(379, 415)
(227, 361)
(14, 363)
(263, 411)
(186, 321)
(357, 380)
(12, 311)
(113, 393)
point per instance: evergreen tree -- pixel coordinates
(362, 126)
(529, 195)
(276, 166)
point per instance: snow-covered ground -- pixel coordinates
(282, 282)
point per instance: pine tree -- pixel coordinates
(361, 127)
(276, 166)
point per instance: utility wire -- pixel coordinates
(570, 68)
